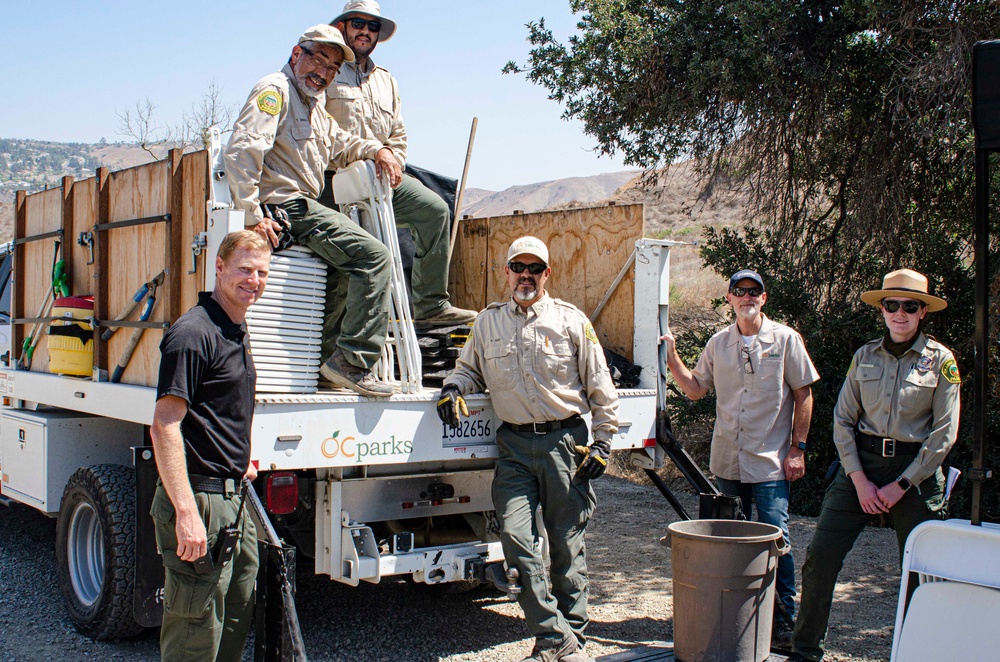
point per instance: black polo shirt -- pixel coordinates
(205, 360)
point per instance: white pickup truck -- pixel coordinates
(365, 489)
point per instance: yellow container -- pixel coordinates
(71, 344)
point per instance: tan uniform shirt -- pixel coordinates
(281, 144)
(545, 364)
(913, 398)
(366, 104)
(753, 423)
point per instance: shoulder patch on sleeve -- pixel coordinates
(269, 101)
(949, 370)
(588, 330)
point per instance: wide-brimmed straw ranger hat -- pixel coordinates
(904, 283)
(371, 9)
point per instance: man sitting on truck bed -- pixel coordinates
(281, 144)
(201, 438)
(364, 101)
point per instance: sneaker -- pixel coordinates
(341, 373)
(450, 315)
(563, 651)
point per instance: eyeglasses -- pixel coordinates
(534, 268)
(747, 364)
(320, 63)
(909, 307)
(739, 292)
(360, 23)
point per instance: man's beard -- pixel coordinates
(305, 89)
(528, 295)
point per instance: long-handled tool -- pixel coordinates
(147, 292)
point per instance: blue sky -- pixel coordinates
(71, 65)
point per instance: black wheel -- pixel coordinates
(95, 551)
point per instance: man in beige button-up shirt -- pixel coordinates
(544, 367)
(364, 100)
(281, 144)
(761, 374)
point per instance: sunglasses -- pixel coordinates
(738, 292)
(534, 269)
(909, 307)
(360, 23)
(747, 363)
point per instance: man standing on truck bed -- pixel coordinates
(364, 100)
(544, 367)
(281, 144)
(201, 438)
(762, 377)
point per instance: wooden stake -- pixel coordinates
(461, 189)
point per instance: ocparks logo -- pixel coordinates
(348, 447)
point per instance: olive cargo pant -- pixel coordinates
(538, 470)
(206, 616)
(359, 274)
(428, 217)
(841, 521)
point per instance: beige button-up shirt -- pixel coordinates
(366, 103)
(545, 364)
(754, 410)
(282, 142)
(912, 398)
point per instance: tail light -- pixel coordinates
(282, 489)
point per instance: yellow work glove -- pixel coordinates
(451, 405)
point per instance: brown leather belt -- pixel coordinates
(545, 426)
(885, 446)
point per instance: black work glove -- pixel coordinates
(451, 405)
(277, 213)
(597, 460)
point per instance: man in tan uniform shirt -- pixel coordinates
(761, 374)
(544, 367)
(281, 144)
(364, 99)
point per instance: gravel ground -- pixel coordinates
(630, 598)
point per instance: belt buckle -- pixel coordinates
(888, 447)
(535, 427)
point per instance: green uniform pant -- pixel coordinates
(532, 471)
(206, 616)
(427, 215)
(360, 276)
(841, 521)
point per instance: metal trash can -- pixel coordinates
(723, 577)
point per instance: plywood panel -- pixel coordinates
(469, 268)
(43, 213)
(193, 219)
(587, 249)
(84, 220)
(135, 255)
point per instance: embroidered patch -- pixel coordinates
(269, 101)
(590, 333)
(950, 371)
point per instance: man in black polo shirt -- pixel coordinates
(201, 437)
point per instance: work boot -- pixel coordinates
(563, 651)
(340, 372)
(781, 635)
(450, 315)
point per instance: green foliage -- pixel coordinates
(849, 125)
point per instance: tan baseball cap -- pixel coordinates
(327, 34)
(528, 246)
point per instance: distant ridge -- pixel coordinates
(545, 195)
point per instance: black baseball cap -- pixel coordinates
(746, 273)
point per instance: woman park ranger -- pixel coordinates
(894, 423)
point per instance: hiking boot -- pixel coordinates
(341, 373)
(563, 651)
(781, 634)
(450, 315)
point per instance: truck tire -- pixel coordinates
(95, 551)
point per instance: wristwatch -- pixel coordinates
(904, 483)
(801, 445)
